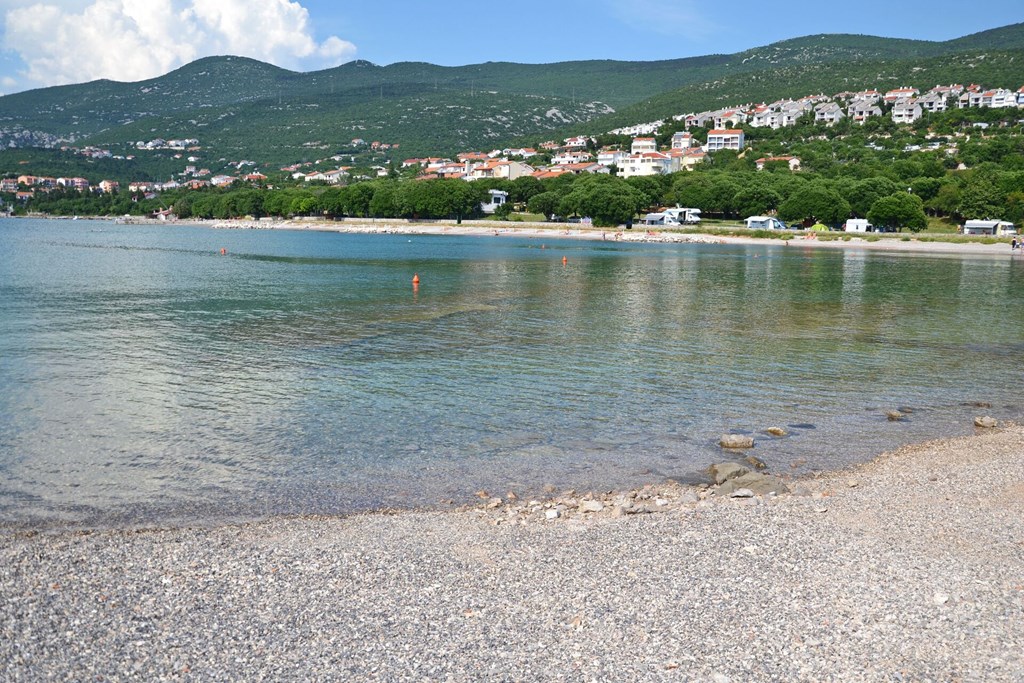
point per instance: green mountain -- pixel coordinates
(241, 108)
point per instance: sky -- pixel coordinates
(55, 42)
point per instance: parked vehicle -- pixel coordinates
(675, 216)
(994, 228)
(858, 225)
(683, 216)
(765, 223)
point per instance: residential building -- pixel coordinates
(646, 163)
(571, 157)
(109, 186)
(725, 139)
(611, 157)
(793, 162)
(9, 185)
(933, 102)
(682, 140)
(642, 145)
(828, 113)
(861, 110)
(898, 94)
(686, 159)
(495, 199)
(906, 111)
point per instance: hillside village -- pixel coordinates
(573, 155)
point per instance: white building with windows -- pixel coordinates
(724, 139)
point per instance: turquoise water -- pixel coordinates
(146, 378)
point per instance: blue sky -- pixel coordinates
(50, 42)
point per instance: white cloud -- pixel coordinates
(62, 41)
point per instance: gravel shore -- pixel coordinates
(909, 568)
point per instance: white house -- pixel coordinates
(862, 110)
(724, 139)
(906, 111)
(495, 199)
(682, 140)
(571, 157)
(933, 102)
(828, 113)
(647, 163)
(642, 145)
(611, 157)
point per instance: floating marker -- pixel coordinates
(565, 260)
(416, 279)
(223, 251)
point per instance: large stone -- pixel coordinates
(724, 471)
(894, 415)
(736, 441)
(591, 506)
(985, 421)
(776, 431)
(759, 484)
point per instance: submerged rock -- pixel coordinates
(736, 441)
(894, 415)
(776, 431)
(724, 471)
(985, 421)
(758, 484)
(755, 462)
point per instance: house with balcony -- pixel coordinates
(898, 94)
(611, 157)
(686, 159)
(860, 111)
(724, 139)
(645, 163)
(571, 157)
(642, 145)
(933, 102)
(906, 111)
(828, 113)
(682, 140)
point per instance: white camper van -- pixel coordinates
(858, 225)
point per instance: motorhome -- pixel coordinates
(858, 225)
(675, 216)
(683, 216)
(994, 228)
(765, 223)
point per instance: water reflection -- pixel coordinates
(145, 376)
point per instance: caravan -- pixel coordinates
(994, 228)
(765, 223)
(676, 216)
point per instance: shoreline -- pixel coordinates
(904, 567)
(907, 244)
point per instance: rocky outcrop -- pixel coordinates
(736, 441)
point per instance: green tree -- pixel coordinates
(815, 203)
(545, 203)
(755, 200)
(899, 210)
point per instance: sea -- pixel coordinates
(172, 374)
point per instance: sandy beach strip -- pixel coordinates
(908, 243)
(907, 568)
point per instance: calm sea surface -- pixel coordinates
(147, 379)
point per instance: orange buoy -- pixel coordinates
(564, 260)
(223, 251)
(416, 278)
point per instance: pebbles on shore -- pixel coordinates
(902, 577)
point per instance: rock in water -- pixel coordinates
(736, 441)
(985, 421)
(755, 462)
(723, 472)
(894, 415)
(776, 431)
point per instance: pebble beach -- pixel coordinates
(907, 568)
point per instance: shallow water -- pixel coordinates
(146, 378)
